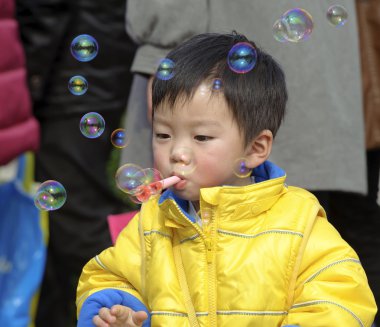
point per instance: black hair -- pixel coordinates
(257, 99)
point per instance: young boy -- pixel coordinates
(230, 244)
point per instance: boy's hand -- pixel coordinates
(119, 316)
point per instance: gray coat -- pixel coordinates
(321, 142)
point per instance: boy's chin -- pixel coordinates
(185, 195)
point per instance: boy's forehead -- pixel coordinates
(203, 95)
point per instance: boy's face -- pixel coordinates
(199, 141)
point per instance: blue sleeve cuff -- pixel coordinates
(107, 298)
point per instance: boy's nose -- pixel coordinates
(181, 155)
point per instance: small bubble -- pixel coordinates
(78, 85)
(165, 70)
(119, 138)
(240, 168)
(217, 84)
(50, 195)
(242, 58)
(92, 125)
(84, 48)
(337, 15)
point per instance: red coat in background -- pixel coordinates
(19, 130)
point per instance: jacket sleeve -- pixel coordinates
(159, 25)
(331, 285)
(113, 277)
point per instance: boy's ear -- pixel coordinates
(259, 149)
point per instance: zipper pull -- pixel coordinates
(208, 243)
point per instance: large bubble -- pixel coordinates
(84, 48)
(295, 25)
(50, 195)
(129, 177)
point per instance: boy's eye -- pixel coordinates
(203, 138)
(162, 136)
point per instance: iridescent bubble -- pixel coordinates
(92, 125)
(165, 70)
(242, 58)
(78, 85)
(119, 138)
(50, 195)
(337, 15)
(129, 177)
(84, 48)
(240, 168)
(150, 178)
(144, 194)
(217, 84)
(185, 163)
(298, 25)
(151, 175)
(279, 31)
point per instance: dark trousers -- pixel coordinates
(78, 230)
(357, 218)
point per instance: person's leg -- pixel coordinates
(78, 230)
(373, 170)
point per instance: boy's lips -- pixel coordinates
(180, 185)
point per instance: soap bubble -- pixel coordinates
(297, 24)
(165, 70)
(50, 195)
(217, 84)
(337, 15)
(242, 58)
(240, 168)
(119, 138)
(279, 31)
(129, 177)
(84, 48)
(78, 85)
(92, 125)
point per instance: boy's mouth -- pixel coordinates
(180, 185)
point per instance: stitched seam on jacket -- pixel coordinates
(316, 274)
(168, 313)
(273, 231)
(305, 304)
(191, 238)
(154, 231)
(252, 313)
(101, 264)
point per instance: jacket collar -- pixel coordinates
(231, 202)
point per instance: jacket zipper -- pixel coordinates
(209, 244)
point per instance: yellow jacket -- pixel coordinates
(268, 257)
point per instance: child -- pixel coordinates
(224, 246)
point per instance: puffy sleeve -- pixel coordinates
(113, 277)
(159, 25)
(331, 286)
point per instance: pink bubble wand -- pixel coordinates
(144, 192)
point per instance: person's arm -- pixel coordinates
(331, 287)
(113, 278)
(159, 25)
